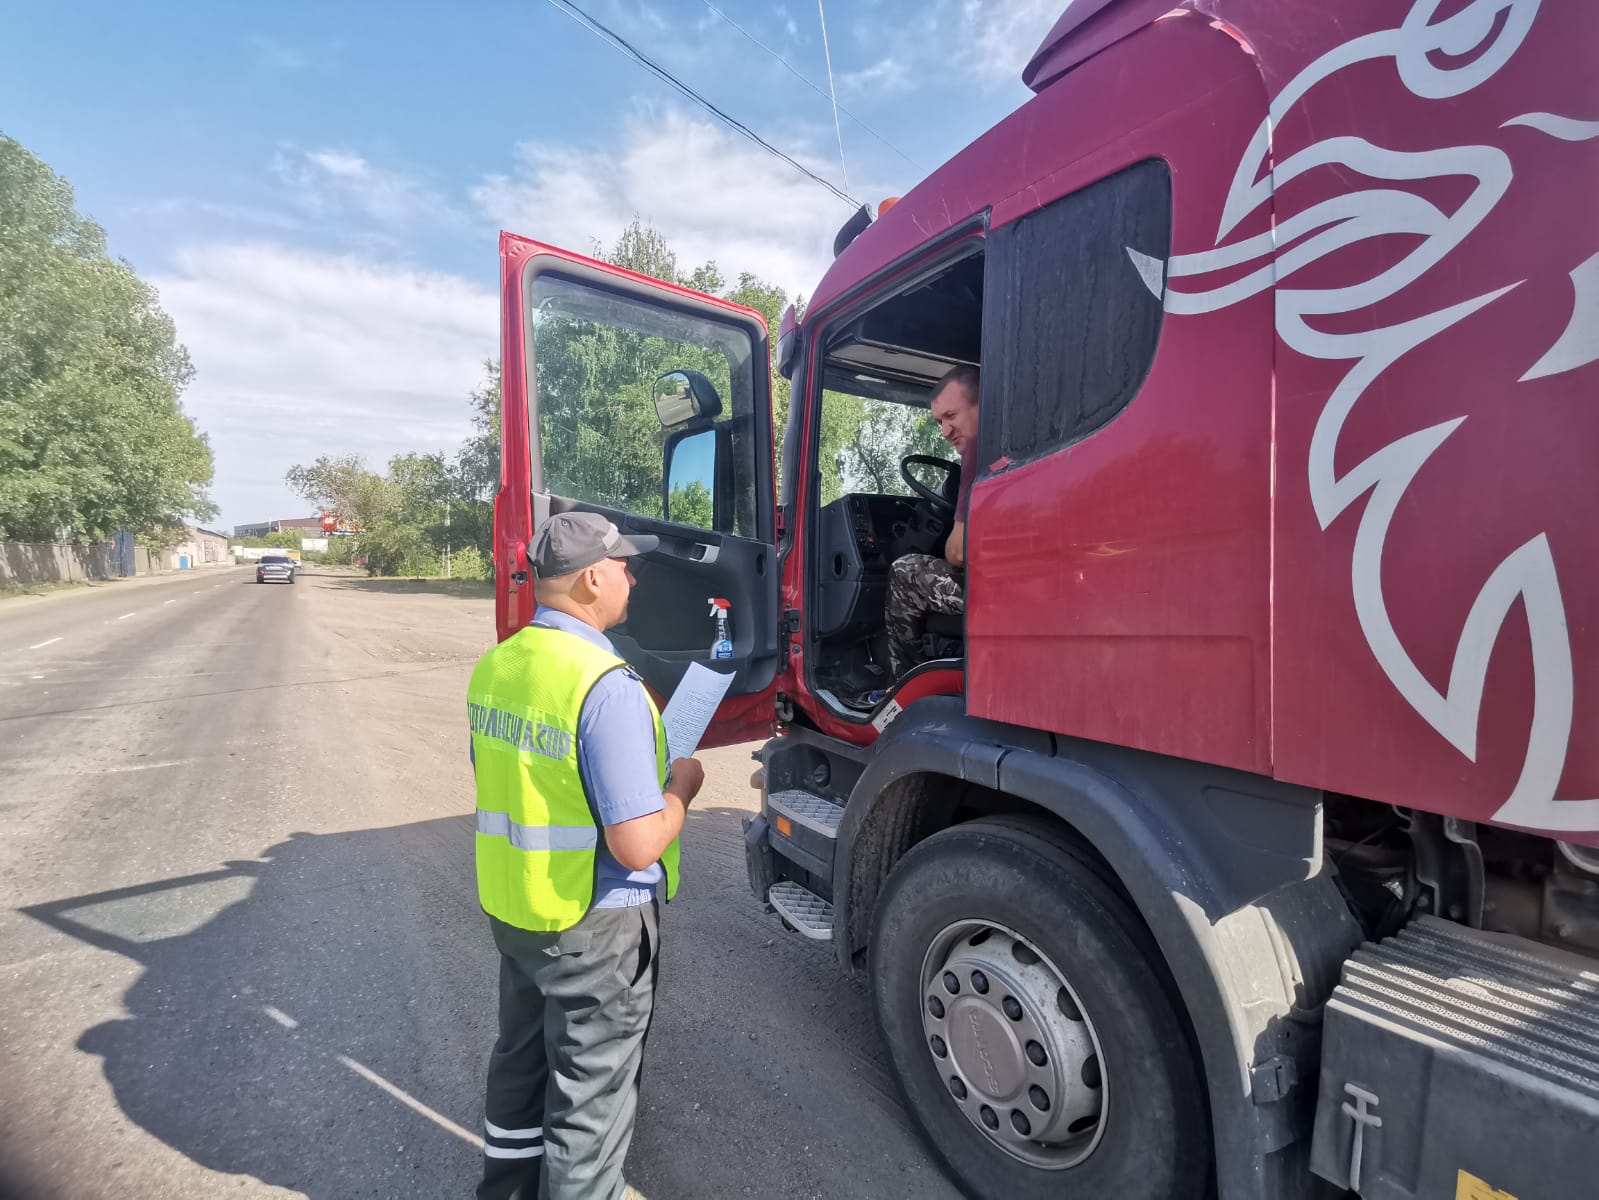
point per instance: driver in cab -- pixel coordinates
(922, 583)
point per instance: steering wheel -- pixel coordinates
(936, 499)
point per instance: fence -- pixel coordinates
(45, 562)
(23, 563)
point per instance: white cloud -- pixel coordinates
(1002, 34)
(711, 193)
(274, 52)
(989, 41)
(330, 183)
(188, 209)
(298, 355)
(883, 78)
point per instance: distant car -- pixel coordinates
(274, 568)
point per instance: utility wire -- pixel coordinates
(832, 93)
(810, 83)
(622, 44)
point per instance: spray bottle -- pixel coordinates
(721, 611)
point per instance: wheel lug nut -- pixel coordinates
(989, 1118)
(1020, 1123)
(1039, 1097)
(980, 983)
(957, 1088)
(1036, 1055)
(936, 1007)
(951, 984)
(1012, 1007)
(939, 1048)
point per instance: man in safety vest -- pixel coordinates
(578, 816)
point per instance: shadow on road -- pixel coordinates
(468, 589)
(317, 1020)
(321, 1018)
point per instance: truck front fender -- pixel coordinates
(1225, 867)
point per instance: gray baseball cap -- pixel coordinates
(570, 541)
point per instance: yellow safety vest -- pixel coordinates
(536, 830)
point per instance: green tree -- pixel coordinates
(600, 437)
(400, 516)
(691, 504)
(344, 485)
(92, 435)
(474, 474)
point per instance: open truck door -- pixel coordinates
(650, 404)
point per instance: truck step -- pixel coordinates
(1442, 1034)
(816, 813)
(803, 909)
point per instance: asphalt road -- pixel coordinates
(240, 951)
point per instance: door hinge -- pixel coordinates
(788, 627)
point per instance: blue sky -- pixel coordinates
(316, 188)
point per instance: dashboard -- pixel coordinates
(859, 534)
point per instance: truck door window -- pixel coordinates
(597, 358)
(1070, 324)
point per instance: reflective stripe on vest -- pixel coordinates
(536, 832)
(537, 837)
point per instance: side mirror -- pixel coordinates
(787, 342)
(688, 488)
(684, 396)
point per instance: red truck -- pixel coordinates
(1242, 839)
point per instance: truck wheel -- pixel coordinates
(1034, 1029)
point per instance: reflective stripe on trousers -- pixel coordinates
(537, 837)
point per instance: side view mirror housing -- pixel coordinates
(787, 342)
(685, 396)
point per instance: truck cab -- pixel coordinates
(1242, 836)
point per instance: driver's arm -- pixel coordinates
(955, 547)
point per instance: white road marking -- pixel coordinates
(42, 645)
(125, 616)
(169, 602)
(281, 1017)
(411, 1102)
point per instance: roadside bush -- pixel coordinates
(342, 551)
(469, 564)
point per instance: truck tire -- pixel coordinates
(1036, 1034)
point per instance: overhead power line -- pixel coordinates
(810, 83)
(832, 93)
(620, 43)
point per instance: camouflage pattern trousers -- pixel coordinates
(920, 584)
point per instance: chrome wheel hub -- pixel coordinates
(1017, 1054)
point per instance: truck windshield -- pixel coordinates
(864, 439)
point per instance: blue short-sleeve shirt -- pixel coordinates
(616, 758)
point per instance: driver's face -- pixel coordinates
(955, 410)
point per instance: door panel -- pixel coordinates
(584, 344)
(669, 624)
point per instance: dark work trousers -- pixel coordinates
(563, 1080)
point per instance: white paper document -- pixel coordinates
(691, 708)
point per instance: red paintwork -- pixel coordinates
(741, 718)
(1168, 583)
